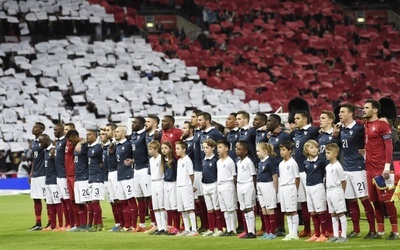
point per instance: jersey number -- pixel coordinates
(55, 195)
(297, 144)
(345, 144)
(129, 188)
(361, 186)
(85, 192)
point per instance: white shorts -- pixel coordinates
(184, 198)
(107, 191)
(124, 189)
(62, 185)
(266, 195)
(210, 193)
(356, 184)
(301, 193)
(227, 196)
(53, 194)
(82, 192)
(112, 185)
(288, 198)
(170, 195)
(246, 194)
(141, 183)
(96, 191)
(316, 198)
(336, 200)
(38, 187)
(197, 183)
(157, 194)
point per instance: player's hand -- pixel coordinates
(52, 152)
(29, 179)
(336, 129)
(361, 151)
(111, 148)
(129, 161)
(78, 147)
(226, 130)
(385, 174)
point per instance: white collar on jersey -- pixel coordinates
(59, 139)
(208, 129)
(189, 139)
(121, 141)
(351, 125)
(93, 144)
(50, 147)
(262, 160)
(106, 144)
(139, 131)
(247, 127)
(313, 159)
(209, 158)
(330, 131)
(306, 127)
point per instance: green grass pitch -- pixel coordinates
(16, 216)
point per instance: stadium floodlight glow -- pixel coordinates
(360, 17)
(149, 25)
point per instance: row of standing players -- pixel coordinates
(125, 169)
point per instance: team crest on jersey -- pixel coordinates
(133, 147)
(92, 151)
(305, 132)
(277, 139)
(315, 166)
(351, 132)
(183, 165)
(331, 170)
(236, 136)
(210, 164)
(262, 134)
(288, 167)
(373, 128)
(330, 137)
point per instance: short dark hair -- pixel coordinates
(206, 115)
(263, 117)
(154, 117)
(303, 113)
(182, 144)
(245, 144)
(245, 114)
(141, 120)
(191, 127)
(276, 117)
(40, 125)
(375, 104)
(112, 125)
(350, 107)
(171, 118)
(224, 142)
(287, 144)
(70, 124)
(71, 132)
(233, 114)
(197, 112)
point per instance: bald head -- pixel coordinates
(120, 133)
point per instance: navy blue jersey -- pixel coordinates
(81, 163)
(324, 139)
(59, 157)
(123, 151)
(139, 150)
(249, 135)
(197, 150)
(266, 169)
(104, 157)
(38, 159)
(315, 171)
(190, 150)
(170, 171)
(212, 133)
(352, 140)
(95, 159)
(112, 158)
(232, 137)
(300, 137)
(150, 137)
(275, 140)
(261, 136)
(49, 168)
(210, 170)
